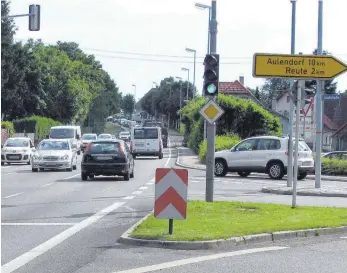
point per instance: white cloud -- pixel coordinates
(169, 26)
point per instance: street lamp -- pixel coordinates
(180, 79)
(186, 69)
(203, 6)
(134, 85)
(193, 51)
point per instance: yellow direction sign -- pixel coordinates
(211, 111)
(297, 66)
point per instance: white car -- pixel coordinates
(86, 139)
(105, 136)
(17, 150)
(55, 154)
(264, 154)
(124, 136)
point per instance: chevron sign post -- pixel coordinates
(171, 194)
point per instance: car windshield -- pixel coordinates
(62, 133)
(124, 134)
(16, 143)
(146, 133)
(303, 146)
(54, 145)
(104, 148)
(88, 137)
(104, 136)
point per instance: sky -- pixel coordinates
(130, 37)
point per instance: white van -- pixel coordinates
(71, 132)
(146, 141)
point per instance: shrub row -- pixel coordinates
(8, 125)
(334, 167)
(222, 143)
(39, 125)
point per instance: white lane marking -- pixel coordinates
(129, 197)
(169, 158)
(194, 260)
(46, 246)
(344, 237)
(143, 188)
(46, 185)
(13, 195)
(136, 192)
(150, 183)
(72, 176)
(6, 173)
(5, 167)
(38, 224)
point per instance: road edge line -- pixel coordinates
(126, 239)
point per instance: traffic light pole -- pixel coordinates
(211, 128)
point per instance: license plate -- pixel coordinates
(49, 165)
(139, 145)
(13, 157)
(104, 157)
(307, 163)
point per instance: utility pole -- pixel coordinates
(319, 114)
(291, 107)
(211, 128)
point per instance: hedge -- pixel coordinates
(39, 125)
(334, 167)
(8, 125)
(222, 143)
(242, 117)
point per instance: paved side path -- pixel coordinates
(188, 159)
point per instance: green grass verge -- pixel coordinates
(112, 128)
(222, 220)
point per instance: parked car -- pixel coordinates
(336, 155)
(107, 157)
(17, 150)
(87, 138)
(146, 141)
(55, 154)
(264, 154)
(125, 135)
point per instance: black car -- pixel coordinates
(108, 157)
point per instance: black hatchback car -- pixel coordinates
(108, 157)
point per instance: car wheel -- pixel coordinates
(84, 176)
(34, 170)
(132, 174)
(2, 163)
(127, 177)
(41, 169)
(91, 176)
(134, 156)
(243, 174)
(78, 152)
(74, 167)
(220, 167)
(69, 169)
(302, 176)
(276, 170)
(161, 156)
(29, 162)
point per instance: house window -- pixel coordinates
(288, 99)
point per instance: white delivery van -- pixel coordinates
(146, 141)
(71, 132)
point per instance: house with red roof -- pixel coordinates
(238, 89)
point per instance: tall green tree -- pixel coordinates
(273, 88)
(128, 104)
(257, 93)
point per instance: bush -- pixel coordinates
(222, 143)
(334, 166)
(41, 126)
(8, 125)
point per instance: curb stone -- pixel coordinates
(303, 193)
(231, 242)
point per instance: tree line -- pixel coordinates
(58, 81)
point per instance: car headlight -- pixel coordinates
(65, 157)
(37, 157)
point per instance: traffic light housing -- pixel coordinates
(294, 92)
(34, 17)
(211, 74)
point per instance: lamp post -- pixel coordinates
(180, 79)
(203, 6)
(186, 69)
(193, 51)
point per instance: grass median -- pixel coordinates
(223, 220)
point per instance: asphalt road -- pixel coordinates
(54, 222)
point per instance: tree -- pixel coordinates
(257, 93)
(128, 104)
(273, 88)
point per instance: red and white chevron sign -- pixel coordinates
(171, 193)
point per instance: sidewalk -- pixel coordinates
(188, 159)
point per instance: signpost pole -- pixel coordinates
(211, 128)
(319, 114)
(291, 109)
(170, 226)
(301, 85)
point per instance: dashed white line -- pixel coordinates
(46, 185)
(13, 195)
(150, 183)
(72, 176)
(344, 237)
(136, 192)
(129, 197)
(38, 224)
(61, 237)
(143, 188)
(200, 259)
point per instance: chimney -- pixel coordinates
(242, 80)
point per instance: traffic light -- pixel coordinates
(294, 92)
(306, 95)
(34, 17)
(211, 74)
